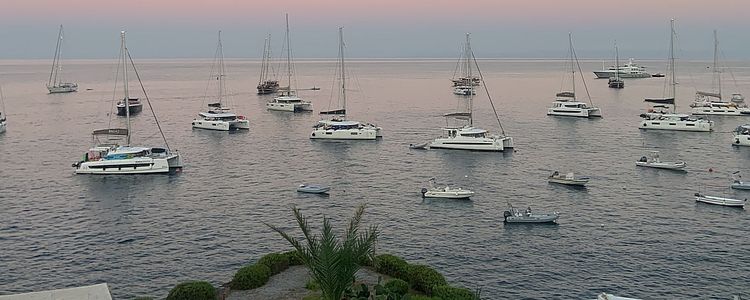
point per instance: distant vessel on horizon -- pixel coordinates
(465, 84)
(55, 83)
(267, 85)
(629, 70)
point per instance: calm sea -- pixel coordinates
(633, 232)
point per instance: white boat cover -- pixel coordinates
(217, 115)
(91, 292)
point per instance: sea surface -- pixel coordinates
(633, 232)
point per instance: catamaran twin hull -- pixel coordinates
(346, 134)
(720, 111)
(581, 113)
(221, 125)
(698, 126)
(63, 88)
(291, 107)
(473, 144)
(140, 165)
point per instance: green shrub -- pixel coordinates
(453, 293)
(392, 265)
(312, 285)
(250, 277)
(193, 290)
(420, 297)
(277, 262)
(293, 258)
(397, 286)
(423, 278)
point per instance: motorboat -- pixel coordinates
(658, 75)
(288, 100)
(720, 200)
(113, 154)
(737, 182)
(266, 84)
(567, 179)
(134, 104)
(605, 296)
(741, 135)
(566, 104)
(338, 127)
(629, 70)
(652, 160)
(218, 116)
(313, 188)
(446, 192)
(55, 84)
(422, 146)
(515, 215)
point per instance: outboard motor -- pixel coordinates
(424, 191)
(643, 159)
(506, 214)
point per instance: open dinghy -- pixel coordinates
(514, 215)
(313, 188)
(720, 200)
(446, 192)
(652, 160)
(605, 296)
(567, 179)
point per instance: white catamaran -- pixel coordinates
(710, 102)
(566, 104)
(112, 153)
(55, 84)
(468, 137)
(464, 85)
(288, 99)
(339, 128)
(659, 117)
(219, 117)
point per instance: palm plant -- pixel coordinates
(332, 261)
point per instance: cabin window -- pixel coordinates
(689, 124)
(354, 133)
(655, 123)
(673, 124)
(329, 132)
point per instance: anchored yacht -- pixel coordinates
(56, 84)
(710, 103)
(629, 70)
(566, 104)
(741, 135)
(288, 99)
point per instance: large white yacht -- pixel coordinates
(711, 103)
(741, 135)
(566, 104)
(659, 117)
(56, 84)
(339, 128)
(288, 99)
(460, 133)
(464, 85)
(629, 70)
(112, 153)
(219, 117)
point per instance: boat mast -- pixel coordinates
(124, 51)
(343, 69)
(617, 62)
(288, 58)
(672, 64)
(572, 64)
(220, 76)
(264, 62)
(55, 60)
(468, 59)
(717, 72)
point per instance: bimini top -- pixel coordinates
(91, 292)
(468, 130)
(566, 94)
(458, 115)
(708, 94)
(111, 131)
(339, 123)
(660, 100)
(290, 98)
(211, 114)
(741, 128)
(128, 150)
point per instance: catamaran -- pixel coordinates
(465, 84)
(338, 127)
(467, 137)
(710, 102)
(112, 153)
(219, 117)
(288, 100)
(659, 117)
(266, 84)
(566, 104)
(55, 84)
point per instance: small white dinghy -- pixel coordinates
(567, 179)
(720, 200)
(737, 182)
(313, 188)
(514, 215)
(445, 192)
(651, 160)
(605, 296)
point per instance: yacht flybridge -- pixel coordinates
(56, 84)
(462, 135)
(566, 104)
(465, 84)
(112, 153)
(219, 117)
(659, 117)
(288, 99)
(710, 102)
(339, 128)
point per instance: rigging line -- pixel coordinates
(481, 77)
(730, 70)
(585, 87)
(114, 91)
(147, 100)
(54, 57)
(458, 62)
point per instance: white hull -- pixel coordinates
(449, 195)
(221, 125)
(711, 111)
(720, 201)
(2, 127)
(62, 89)
(464, 91)
(139, 165)
(572, 182)
(608, 74)
(662, 165)
(290, 107)
(741, 140)
(698, 126)
(368, 133)
(581, 113)
(473, 144)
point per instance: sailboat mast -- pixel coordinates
(717, 72)
(55, 60)
(343, 68)
(288, 58)
(263, 62)
(220, 54)
(672, 64)
(124, 51)
(617, 62)
(572, 64)
(468, 57)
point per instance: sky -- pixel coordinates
(374, 29)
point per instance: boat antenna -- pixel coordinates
(481, 77)
(578, 64)
(147, 99)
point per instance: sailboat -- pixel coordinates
(616, 82)
(219, 117)
(467, 137)
(55, 84)
(658, 117)
(465, 84)
(3, 119)
(112, 153)
(566, 104)
(710, 103)
(339, 128)
(288, 100)
(267, 85)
